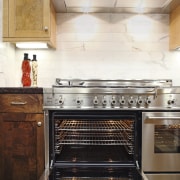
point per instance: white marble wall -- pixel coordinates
(106, 46)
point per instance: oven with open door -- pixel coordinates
(94, 144)
(93, 127)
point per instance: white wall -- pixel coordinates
(106, 46)
(7, 59)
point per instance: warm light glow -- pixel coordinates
(143, 4)
(86, 7)
(31, 45)
(86, 27)
(178, 49)
(140, 24)
(140, 7)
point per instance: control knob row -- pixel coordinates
(78, 101)
(139, 101)
(122, 101)
(104, 101)
(171, 102)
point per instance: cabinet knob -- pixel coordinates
(45, 28)
(39, 124)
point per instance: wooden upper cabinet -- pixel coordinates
(29, 20)
(174, 33)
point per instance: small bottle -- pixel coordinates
(34, 71)
(26, 71)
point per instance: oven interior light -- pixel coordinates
(31, 45)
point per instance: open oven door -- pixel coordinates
(94, 145)
(94, 173)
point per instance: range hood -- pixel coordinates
(115, 6)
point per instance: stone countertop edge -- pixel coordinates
(21, 90)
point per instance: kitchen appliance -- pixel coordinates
(161, 145)
(94, 127)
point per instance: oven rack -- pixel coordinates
(88, 178)
(92, 125)
(97, 133)
(89, 138)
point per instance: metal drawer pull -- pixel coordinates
(18, 103)
(162, 118)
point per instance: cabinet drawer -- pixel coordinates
(21, 103)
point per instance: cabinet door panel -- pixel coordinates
(19, 146)
(28, 18)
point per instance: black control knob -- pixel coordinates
(78, 102)
(61, 101)
(171, 101)
(131, 101)
(148, 101)
(95, 101)
(139, 101)
(104, 102)
(122, 101)
(113, 101)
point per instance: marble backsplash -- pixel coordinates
(103, 46)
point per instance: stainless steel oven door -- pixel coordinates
(161, 141)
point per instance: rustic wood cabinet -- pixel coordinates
(21, 136)
(29, 21)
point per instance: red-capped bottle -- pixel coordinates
(26, 71)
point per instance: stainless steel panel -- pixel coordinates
(114, 83)
(163, 176)
(158, 162)
(46, 137)
(116, 98)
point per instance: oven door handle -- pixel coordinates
(159, 120)
(162, 118)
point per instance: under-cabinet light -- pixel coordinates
(177, 48)
(31, 45)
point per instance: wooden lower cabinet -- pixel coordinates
(21, 146)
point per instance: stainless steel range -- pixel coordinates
(94, 128)
(109, 94)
